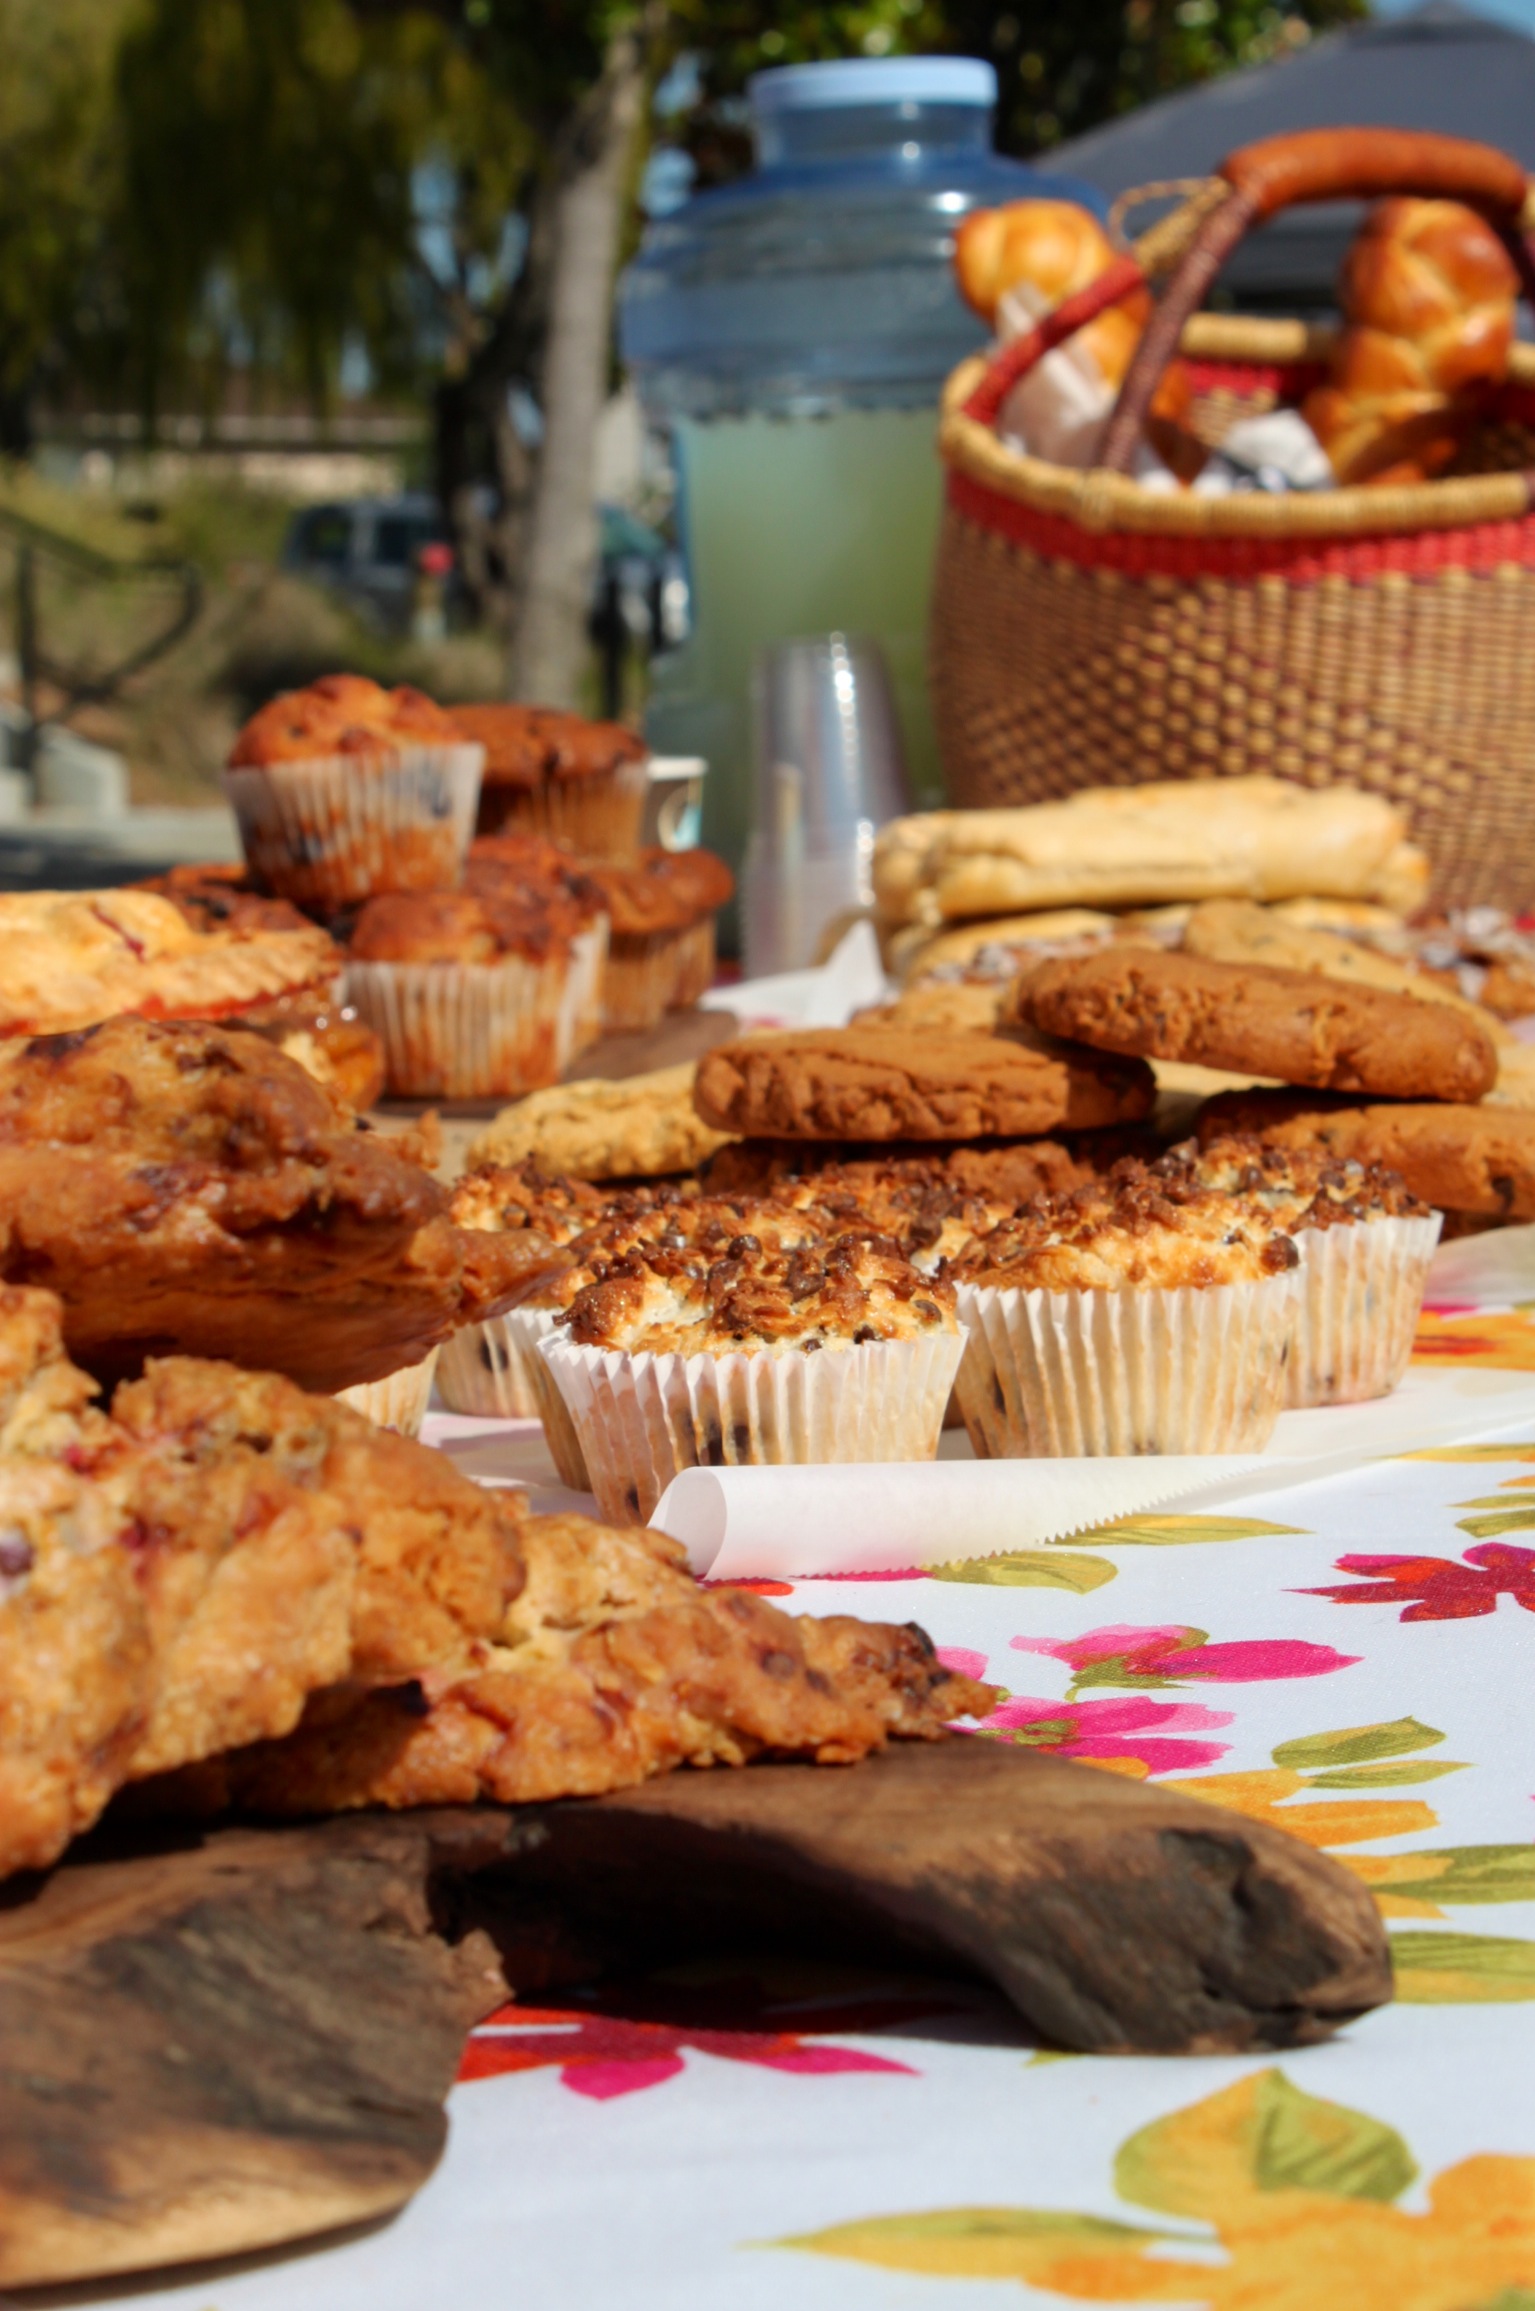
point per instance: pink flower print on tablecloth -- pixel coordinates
(604, 2055)
(1132, 1734)
(1439, 1588)
(1174, 1655)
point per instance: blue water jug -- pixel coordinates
(792, 332)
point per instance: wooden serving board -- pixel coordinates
(248, 2039)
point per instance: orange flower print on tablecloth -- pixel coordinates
(1501, 1340)
(1281, 2202)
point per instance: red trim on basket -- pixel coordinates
(1291, 380)
(1480, 549)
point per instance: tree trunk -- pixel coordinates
(549, 642)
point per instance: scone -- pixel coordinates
(640, 1127)
(1459, 1159)
(69, 959)
(552, 773)
(1243, 838)
(1136, 1315)
(346, 789)
(1253, 1019)
(879, 1083)
(830, 1351)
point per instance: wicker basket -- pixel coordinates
(1090, 632)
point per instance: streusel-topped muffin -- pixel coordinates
(1142, 1313)
(686, 1352)
(1366, 1243)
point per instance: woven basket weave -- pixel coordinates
(1089, 632)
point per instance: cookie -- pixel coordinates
(1255, 1019)
(1459, 1158)
(641, 1127)
(885, 1083)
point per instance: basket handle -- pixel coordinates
(1316, 164)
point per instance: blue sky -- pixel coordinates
(1520, 13)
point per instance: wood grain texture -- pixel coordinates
(248, 2040)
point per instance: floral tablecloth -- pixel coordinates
(1355, 1662)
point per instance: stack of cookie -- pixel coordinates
(1362, 1072)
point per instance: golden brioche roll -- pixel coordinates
(1428, 291)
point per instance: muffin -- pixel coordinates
(497, 863)
(470, 993)
(345, 790)
(833, 1349)
(661, 948)
(1135, 1315)
(551, 773)
(1365, 1244)
(486, 1368)
(398, 1401)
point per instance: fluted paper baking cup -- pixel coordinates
(494, 1370)
(641, 1418)
(1058, 1374)
(640, 978)
(583, 987)
(1362, 1288)
(467, 1030)
(695, 965)
(398, 1402)
(339, 827)
(598, 812)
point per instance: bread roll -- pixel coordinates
(1428, 291)
(1225, 838)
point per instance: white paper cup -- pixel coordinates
(398, 1402)
(1062, 1374)
(484, 1370)
(468, 1030)
(1362, 1289)
(640, 1418)
(335, 828)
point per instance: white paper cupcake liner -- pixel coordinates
(467, 1030)
(485, 1371)
(398, 1402)
(583, 987)
(641, 1418)
(695, 966)
(1050, 1374)
(336, 828)
(640, 979)
(1362, 1288)
(600, 814)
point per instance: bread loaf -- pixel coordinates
(1427, 291)
(1224, 838)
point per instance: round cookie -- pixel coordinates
(885, 1083)
(1256, 1019)
(1458, 1158)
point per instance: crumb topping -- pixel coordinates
(1140, 1228)
(1297, 1187)
(756, 1293)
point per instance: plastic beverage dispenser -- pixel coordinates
(793, 332)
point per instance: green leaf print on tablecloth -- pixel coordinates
(1175, 1531)
(1031, 1569)
(1462, 1969)
(1297, 2194)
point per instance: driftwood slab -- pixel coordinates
(249, 2040)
